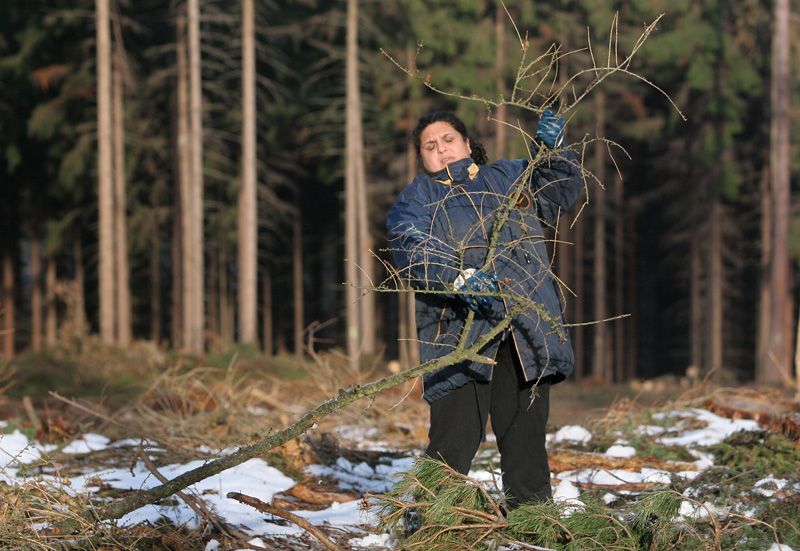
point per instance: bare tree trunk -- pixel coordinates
(632, 346)
(407, 300)
(36, 294)
(762, 340)
(7, 302)
(155, 289)
(105, 193)
(51, 313)
(716, 280)
(82, 328)
(225, 306)
(499, 67)
(619, 276)
(123, 309)
(778, 368)
(213, 314)
(352, 243)
(194, 316)
(599, 368)
(355, 141)
(176, 275)
(696, 300)
(297, 279)
(577, 309)
(248, 202)
(180, 224)
(267, 313)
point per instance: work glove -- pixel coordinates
(474, 281)
(551, 129)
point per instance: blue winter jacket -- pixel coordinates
(442, 224)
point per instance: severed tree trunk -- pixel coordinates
(267, 282)
(36, 294)
(600, 370)
(778, 365)
(193, 307)
(121, 268)
(499, 67)
(51, 313)
(248, 203)
(352, 244)
(297, 279)
(105, 183)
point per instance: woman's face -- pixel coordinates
(440, 144)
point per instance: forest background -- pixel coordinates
(196, 173)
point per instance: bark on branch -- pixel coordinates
(345, 397)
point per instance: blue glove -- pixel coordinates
(551, 129)
(480, 282)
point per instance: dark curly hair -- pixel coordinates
(478, 151)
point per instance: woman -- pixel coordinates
(447, 244)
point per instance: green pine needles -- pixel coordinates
(461, 513)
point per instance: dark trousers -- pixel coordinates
(458, 422)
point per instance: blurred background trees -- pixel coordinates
(201, 173)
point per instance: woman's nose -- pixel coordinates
(440, 146)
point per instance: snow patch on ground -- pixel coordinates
(716, 430)
(87, 443)
(618, 450)
(573, 433)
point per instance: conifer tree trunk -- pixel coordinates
(7, 302)
(500, 62)
(353, 150)
(80, 316)
(36, 295)
(696, 300)
(248, 212)
(765, 297)
(194, 315)
(225, 305)
(105, 193)
(155, 289)
(778, 366)
(121, 268)
(267, 314)
(631, 333)
(619, 275)
(51, 314)
(214, 318)
(577, 308)
(181, 241)
(716, 281)
(297, 277)
(600, 370)
(355, 153)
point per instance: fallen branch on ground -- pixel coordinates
(256, 503)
